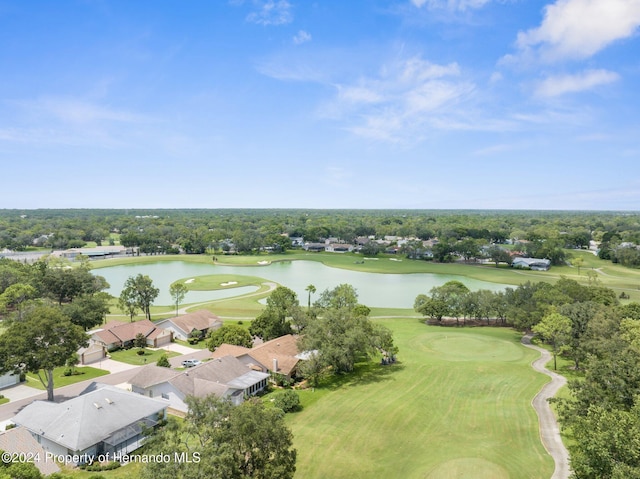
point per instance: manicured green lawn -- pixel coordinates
(457, 404)
(202, 344)
(59, 379)
(130, 356)
(215, 282)
(124, 472)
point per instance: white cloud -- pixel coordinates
(561, 84)
(271, 12)
(577, 29)
(402, 100)
(358, 94)
(301, 37)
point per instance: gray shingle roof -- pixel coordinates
(87, 419)
(199, 320)
(212, 377)
(19, 440)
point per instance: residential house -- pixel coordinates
(535, 264)
(225, 377)
(115, 335)
(104, 419)
(314, 247)
(296, 241)
(339, 248)
(277, 356)
(199, 322)
(20, 442)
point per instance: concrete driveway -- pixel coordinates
(200, 354)
(179, 348)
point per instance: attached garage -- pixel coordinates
(91, 354)
(9, 379)
(163, 338)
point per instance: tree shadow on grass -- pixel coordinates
(363, 374)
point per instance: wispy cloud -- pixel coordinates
(301, 37)
(461, 5)
(75, 110)
(69, 121)
(271, 12)
(401, 100)
(578, 29)
(562, 84)
(491, 150)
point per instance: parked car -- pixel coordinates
(189, 363)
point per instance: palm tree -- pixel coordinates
(311, 289)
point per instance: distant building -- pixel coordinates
(314, 247)
(535, 264)
(339, 248)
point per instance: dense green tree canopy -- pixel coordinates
(138, 293)
(225, 442)
(342, 334)
(275, 319)
(229, 334)
(43, 340)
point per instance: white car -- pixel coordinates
(189, 363)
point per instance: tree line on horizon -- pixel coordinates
(545, 233)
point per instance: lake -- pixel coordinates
(374, 289)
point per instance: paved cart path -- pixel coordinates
(549, 429)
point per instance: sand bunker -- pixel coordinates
(228, 283)
(263, 262)
(190, 280)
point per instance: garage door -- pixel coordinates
(92, 355)
(163, 340)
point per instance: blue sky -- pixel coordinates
(511, 104)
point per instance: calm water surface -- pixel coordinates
(374, 289)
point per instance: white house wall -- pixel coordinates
(177, 333)
(50, 446)
(164, 391)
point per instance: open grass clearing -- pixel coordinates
(215, 282)
(457, 404)
(59, 379)
(131, 356)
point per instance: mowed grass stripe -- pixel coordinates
(464, 412)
